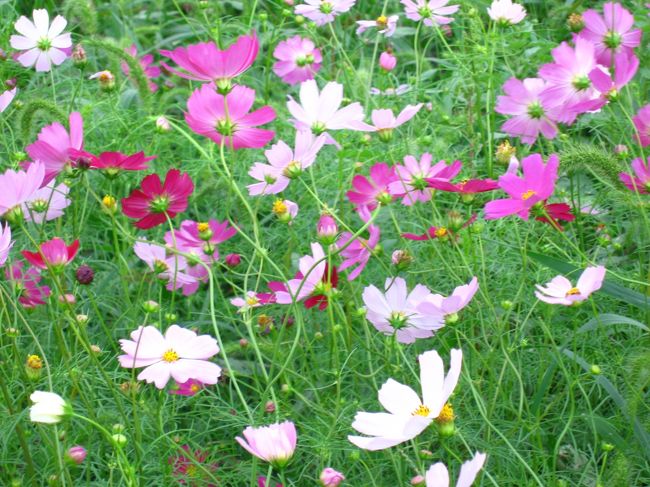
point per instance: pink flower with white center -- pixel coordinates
(384, 121)
(568, 77)
(506, 12)
(54, 143)
(450, 306)
(409, 415)
(53, 254)
(172, 269)
(561, 291)
(6, 97)
(411, 184)
(19, 187)
(179, 354)
(5, 244)
(323, 12)
(395, 312)
(533, 110)
(357, 251)
(376, 190)
(384, 25)
(298, 60)
(642, 123)
(438, 476)
(248, 301)
(44, 44)
(274, 443)
(612, 33)
(311, 278)
(146, 62)
(536, 186)
(285, 164)
(430, 12)
(25, 285)
(640, 183)
(47, 203)
(226, 119)
(387, 61)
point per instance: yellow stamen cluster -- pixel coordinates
(528, 194)
(422, 410)
(202, 227)
(446, 415)
(382, 21)
(170, 356)
(441, 232)
(34, 362)
(279, 207)
(572, 292)
(505, 152)
(109, 202)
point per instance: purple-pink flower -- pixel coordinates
(368, 193)
(642, 123)
(560, 290)
(357, 250)
(201, 238)
(146, 62)
(387, 61)
(26, 285)
(449, 306)
(323, 12)
(330, 477)
(188, 388)
(5, 243)
(274, 443)
(411, 182)
(430, 12)
(47, 203)
(53, 254)
(640, 183)
(298, 60)
(172, 269)
(6, 97)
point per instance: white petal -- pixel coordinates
(432, 375)
(28, 58)
(470, 470)
(22, 42)
(26, 27)
(58, 24)
(437, 476)
(43, 62)
(41, 21)
(398, 398)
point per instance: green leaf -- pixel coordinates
(609, 319)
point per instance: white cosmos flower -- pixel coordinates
(48, 407)
(408, 415)
(438, 476)
(43, 43)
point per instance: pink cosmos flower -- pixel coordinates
(411, 181)
(384, 121)
(47, 203)
(560, 290)
(188, 388)
(146, 62)
(263, 482)
(464, 187)
(201, 238)
(533, 110)
(641, 182)
(6, 97)
(54, 143)
(330, 477)
(206, 62)
(172, 268)
(370, 192)
(19, 187)
(274, 443)
(642, 123)
(298, 60)
(5, 244)
(112, 163)
(226, 119)
(357, 251)
(387, 62)
(430, 12)
(612, 33)
(25, 285)
(384, 25)
(536, 185)
(395, 312)
(442, 232)
(323, 12)
(506, 12)
(248, 301)
(285, 164)
(449, 306)
(155, 201)
(438, 476)
(44, 44)
(179, 354)
(53, 254)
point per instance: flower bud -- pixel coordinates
(33, 367)
(106, 80)
(331, 478)
(79, 58)
(387, 61)
(119, 439)
(84, 274)
(150, 306)
(67, 299)
(76, 454)
(243, 343)
(607, 447)
(269, 407)
(82, 319)
(327, 230)
(95, 349)
(595, 369)
(232, 260)
(418, 480)
(401, 259)
(505, 152)
(575, 22)
(109, 204)
(507, 304)
(162, 125)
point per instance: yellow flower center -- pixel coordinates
(528, 194)
(252, 300)
(382, 21)
(34, 362)
(202, 227)
(109, 201)
(441, 232)
(279, 207)
(170, 356)
(573, 291)
(446, 415)
(195, 388)
(422, 410)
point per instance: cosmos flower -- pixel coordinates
(146, 62)
(384, 121)
(185, 470)
(26, 285)
(384, 25)
(369, 192)
(400, 90)
(53, 254)
(456, 224)
(387, 62)
(411, 182)
(323, 12)
(430, 12)
(113, 163)
(5, 243)
(6, 97)
(642, 123)
(47, 203)
(464, 187)
(298, 60)
(201, 238)
(506, 12)
(560, 290)
(641, 182)
(48, 408)
(188, 388)
(438, 476)
(449, 306)
(274, 443)
(19, 187)
(169, 268)
(44, 44)
(357, 251)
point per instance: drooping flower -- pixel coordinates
(450, 306)
(376, 190)
(146, 62)
(48, 407)
(105, 79)
(552, 213)
(188, 388)
(274, 443)
(323, 12)
(430, 12)
(298, 60)
(6, 97)
(186, 471)
(25, 285)
(641, 182)
(384, 121)
(395, 311)
(201, 238)
(284, 163)
(5, 244)
(625, 67)
(357, 251)
(19, 187)
(387, 62)
(172, 268)
(642, 123)
(330, 477)
(44, 44)
(47, 203)
(438, 476)
(411, 182)
(456, 224)
(506, 12)
(179, 354)
(53, 254)
(226, 119)
(408, 415)
(560, 290)
(113, 163)
(384, 25)
(155, 201)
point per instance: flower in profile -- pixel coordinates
(188, 388)
(113, 163)
(76, 454)
(385, 25)
(155, 201)
(368, 193)
(285, 210)
(609, 85)
(552, 213)
(6, 97)
(395, 311)
(201, 238)
(323, 12)
(226, 119)
(443, 232)
(326, 229)
(640, 183)
(53, 254)
(274, 443)
(642, 123)
(450, 306)
(536, 185)
(330, 477)
(387, 62)
(191, 468)
(438, 476)
(105, 78)
(506, 12)
(146, 62)
(298, 60)
(411, 182)
(248, 301)
(464, 187)
(400, 90)
(172, 268)
(48, 407)
(612, 33)
(408, 415)
(560, 290)
(430, 12)
(384, 121)
(179, 354)
(285, 164)
(5, 243)
(25, 285)
(206, 62)
(44, 44)
(54, 143)
(19, 187)
(357, 251)
(47, 203)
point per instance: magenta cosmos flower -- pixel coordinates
(6, 97)
(642, 123)
(430, 12)
(226, 119)
(442, 232)
(5, 243)
(641, 182)
(357, 251)
(612, 33)
(155, 201)
(449, 306)
(298, 60)
(26, 285)
(609, 86)
(178, 354)
(53, 254)
(384, 25)
(146, 62)
(384, 121)
(54, 144)
(438, 476)
(169, 268)
(536, 185)
(274, 443)
(19, 187)
(206, 62)
(323, 12)
(47, 203)
(188, 388)
(411, 181)
(44, 44)
(368, 193)
(560, 290)
(113, 163)
(201, 238)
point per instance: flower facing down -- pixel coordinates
(179, 354)
(641, 182)
(506, 12)
(274, 443)
(561, 291)
(48, 407)
(408, 415)
(44, 44)
(450, 306)
(323, 12)
(298, 60)
(5, 243)
(53, 254)
(26, 285)
(438, 476)
(330, 477)
(430, 12)
(187, 388)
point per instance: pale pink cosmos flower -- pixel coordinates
(400, 90)
(387, 61)
(368, 193)
(312, 274)
(284, 163)
(395, 311)
(285, 210)
(146, 62)
(560, 290)
(298, 60)
(6, 97)
(506, 12)
(408, 415)
(201, 238)
(357, 251)
(384, 25)
(450, 306)
(323, 12)
(5, 243)
(411, 184)
(172, 269)
(44, 44)
(248, 301)
(179, 354)
(384, 121)
(274, 443)
(642, 123)
(438, 476)
(19, 187)
(26, 285)
(47, 203)
(641, 182)
(430, 12)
